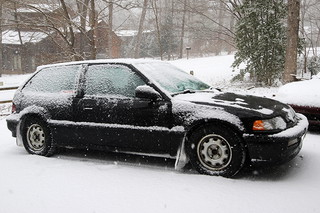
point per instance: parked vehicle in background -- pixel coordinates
(303, 97)
(151, 108)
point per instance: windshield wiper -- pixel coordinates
(215, 88)
(183, 92)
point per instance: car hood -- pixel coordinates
(240, 105)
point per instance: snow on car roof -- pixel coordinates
(302, 93)
(99, 61)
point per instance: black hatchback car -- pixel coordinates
(151, 108)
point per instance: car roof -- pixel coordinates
(101, 61)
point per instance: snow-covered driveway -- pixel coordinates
(74, 181)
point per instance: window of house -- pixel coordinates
(16, 62)
(33, 63)
(108, 79)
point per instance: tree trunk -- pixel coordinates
(140, 31)
(232, 43)
(218, 46)
(82, 6)
(71, 41)
(16, 20)
(110, 23)
(156, 15)
(182, 28)
(170, 49)
(1, 61)
(93, 47)
(290, 68)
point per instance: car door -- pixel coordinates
(112, 116)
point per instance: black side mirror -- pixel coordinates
(147, 92)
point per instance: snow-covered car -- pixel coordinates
(303, 97)
(152, 108)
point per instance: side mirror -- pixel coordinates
(147, 92)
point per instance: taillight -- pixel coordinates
(13, 108)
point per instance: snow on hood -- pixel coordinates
(261, 106)
(302, 93)
(190, 112)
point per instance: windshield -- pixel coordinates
(170, 77)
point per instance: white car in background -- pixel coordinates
(303, 97)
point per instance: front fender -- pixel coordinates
(190, 114)
(193, 116)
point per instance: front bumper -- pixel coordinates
(277, 148)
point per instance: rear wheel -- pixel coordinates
(216, 150)
(37, 138)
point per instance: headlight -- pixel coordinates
(276, 123)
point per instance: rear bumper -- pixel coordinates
(277, 148)
(12, 123)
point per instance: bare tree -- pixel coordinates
(93, 22)
(310, 31)
(183, 28)
(290, 68)
(110, 26)
(71, 41)
(140, 30)
(16, 20)
(221, 12)
(211, 25)
(1, 37)
(82, 6)
(157, 23)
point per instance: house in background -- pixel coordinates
(101, 35)
(21, 49)
(26, 46)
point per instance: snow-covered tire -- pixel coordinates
(216, 150)
(37, 137)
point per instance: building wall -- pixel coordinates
(20, 59)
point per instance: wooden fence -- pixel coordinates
(4, 89)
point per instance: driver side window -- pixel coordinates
(108, 79)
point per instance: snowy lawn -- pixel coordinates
(215, 71)
(80, 181)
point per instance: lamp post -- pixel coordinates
(188, 48)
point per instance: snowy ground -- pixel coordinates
(81, 181)
(77, 181)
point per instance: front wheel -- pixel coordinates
(216, 150)
(37, 138)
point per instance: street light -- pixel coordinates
(188, 48)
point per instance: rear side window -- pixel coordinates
(106, 79)
(54, 80)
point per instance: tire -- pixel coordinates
(37, 137)
(216, 150)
